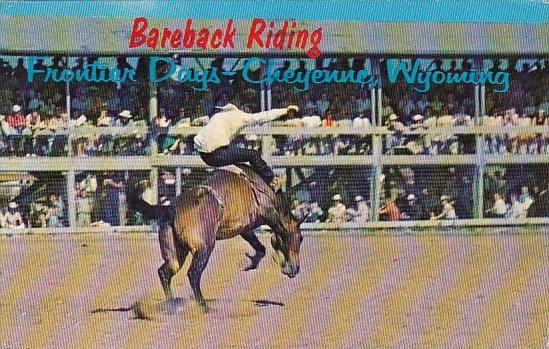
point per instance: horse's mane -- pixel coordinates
(282, 202)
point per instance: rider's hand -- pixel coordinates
(293, 107)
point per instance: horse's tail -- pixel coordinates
(135, 202)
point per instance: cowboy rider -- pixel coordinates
(214, 141)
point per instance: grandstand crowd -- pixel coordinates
(113, 119)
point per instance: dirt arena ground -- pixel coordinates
(379, 291)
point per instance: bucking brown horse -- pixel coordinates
(228, 204)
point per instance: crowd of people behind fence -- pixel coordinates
(110, 119)
(35, 121)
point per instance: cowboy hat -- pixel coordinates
(411, 197)
(444, 198)
(358, 198)
(16, 108)
(126, 114)
(336, 197)
(417, 117)
(12, 205)
(393, 117)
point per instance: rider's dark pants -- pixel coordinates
(232, 155)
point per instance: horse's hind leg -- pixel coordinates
(252, 239)
(198, 264)
(174, 254)
(170, 268)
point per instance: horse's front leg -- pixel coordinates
(252, 239)
(198, 264)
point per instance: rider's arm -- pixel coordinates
(269, 115)
(265, 116)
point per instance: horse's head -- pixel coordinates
(286, 240)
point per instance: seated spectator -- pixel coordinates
(390, 210)
(37, 215)
(299, 209)
(461, 118)
(16, 120)
(83, 209)
(336, 213)
(56, 212)
(322, 104)
(517, 210)
(13, 217)
(329, 120)
(104, 119)
(314, 212)
(417, 122)
(360, 213)
(2, 218)
(411, 211)
(448, 211)
(525, 197)
(500, 207)
(124, 119)
(394, 139)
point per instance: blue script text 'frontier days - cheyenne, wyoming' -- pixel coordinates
(200, 79)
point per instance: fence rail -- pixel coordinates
(458, 226)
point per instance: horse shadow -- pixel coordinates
(162, 308)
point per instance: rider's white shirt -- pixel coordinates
(224, 126)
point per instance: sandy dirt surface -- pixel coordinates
(379, 291)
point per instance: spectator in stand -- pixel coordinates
(314, 212)
(2, 218)
(448, 211)
(396, 128)
(500, 207)
(360, 213)
(83, 209)
(387, 108)
(517, 209)
(329, 120)
(112, 189)
(20, 73)
(336, 213)
(124, 119)
(525, 197)
(299, 209)
(461, 118)
(12, 128)
(412, 211)
(16, 120)
(323, 104)
(37, 216)
(36, 102)
(390, 210)
(167, 190)
(55, 212)
(13, 217)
